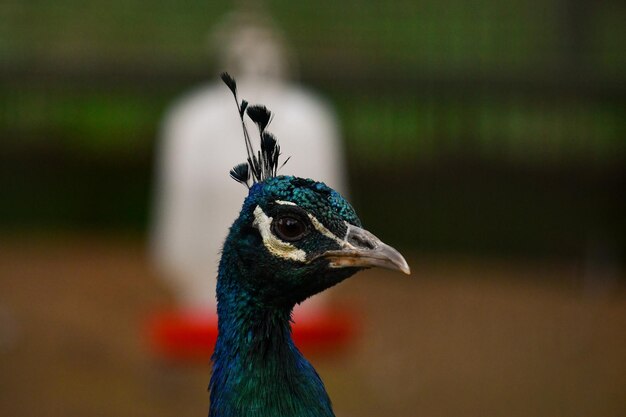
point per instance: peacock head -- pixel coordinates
(295, 237)
(300, 237)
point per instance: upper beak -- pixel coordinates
(364, 250)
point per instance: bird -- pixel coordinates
(294, 237)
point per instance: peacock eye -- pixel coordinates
(289, 228)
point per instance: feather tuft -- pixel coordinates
(230, 82)
(260, 115)
(270, 151)
(241, 173)
(268, 142)
(262, 164)
(242, 108)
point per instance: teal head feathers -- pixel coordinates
(293, 238)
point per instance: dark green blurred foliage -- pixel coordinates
(492, 127)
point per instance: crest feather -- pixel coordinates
(260, 115)
(262, 164)
(230, 82)
(241, 173)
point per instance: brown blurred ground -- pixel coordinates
(458, 338)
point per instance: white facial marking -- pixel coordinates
(320, 227)
(285, 203)
(323, 230)
(273, 244)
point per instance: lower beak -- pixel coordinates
(364, 250)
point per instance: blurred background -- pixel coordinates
(485, 139)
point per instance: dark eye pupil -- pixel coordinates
(289, 228)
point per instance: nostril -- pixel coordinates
(361, 242)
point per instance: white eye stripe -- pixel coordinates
(319, 226)
(323, 230)
(285, 203)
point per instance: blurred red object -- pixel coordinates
(190, 335)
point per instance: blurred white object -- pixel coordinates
(202, 139)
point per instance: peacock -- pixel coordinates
(294, 237)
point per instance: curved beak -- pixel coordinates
(362, 249)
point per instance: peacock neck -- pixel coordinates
(257, 369)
